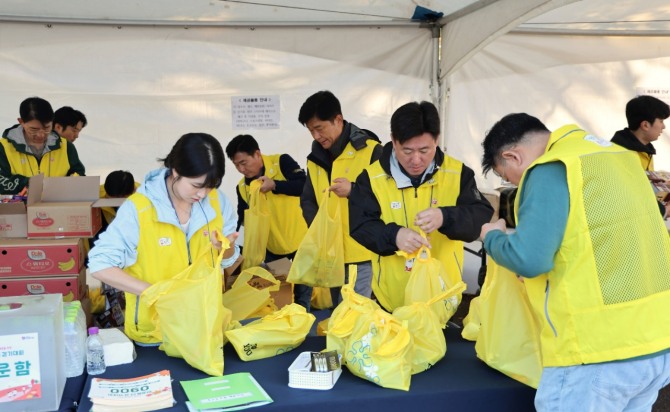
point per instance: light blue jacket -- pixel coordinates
(117, 246)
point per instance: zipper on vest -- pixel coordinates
(546, 309)
(137, 311)
(379, 272)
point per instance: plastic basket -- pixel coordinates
(300, 375)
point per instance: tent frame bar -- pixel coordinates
(590, 32)
(187, 24)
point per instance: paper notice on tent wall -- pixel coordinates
(255, 112)
(661, 93)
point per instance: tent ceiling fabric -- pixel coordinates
(228, 11)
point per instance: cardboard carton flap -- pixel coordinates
(109, 202)
(14, 208)
(35, 189)
(71, 189)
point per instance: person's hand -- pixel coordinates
(497, 225)
(215, 237)
(267, 184)
(410, 241)
(667, 212)
(341, 187)
(429, 220)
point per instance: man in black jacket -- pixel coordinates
(414, 196)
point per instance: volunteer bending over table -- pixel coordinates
(161, 229)
(597, 270)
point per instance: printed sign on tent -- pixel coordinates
(255, 112)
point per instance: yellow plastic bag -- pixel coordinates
(472, 321)
(428, 279)
(189, 314)
(343, 319)
(321, 298)
(513, 347)
(319, 260)
(380, 349)
(244, 298)
(256, 227)
(426, 330)
(273, 334)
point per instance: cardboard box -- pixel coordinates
(60, 207)
(280, 268)
(13, 220)
(39, 257)
(71, 287)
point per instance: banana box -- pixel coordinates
(71, 287)
(41, 257)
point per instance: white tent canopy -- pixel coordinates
(146, 72)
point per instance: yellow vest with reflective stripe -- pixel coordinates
(287, 226)
(55, 163)
(400, 206)
(348, 165)
(162, 252)
(608, 295)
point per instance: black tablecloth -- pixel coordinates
(459, 382)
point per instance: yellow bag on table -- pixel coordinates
(429, 343)
(380, 349)
(509, 334)
(427, 279)
(472, 321)
(343, 319)
(319, 260)
(189, 313)
(256, 227)
(246, 300)
(273, 334)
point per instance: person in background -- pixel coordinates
(597, 271)
(414, 187)
(282, 182)
(68, 123)
(645, 115)
(172, 219)
(340, 151)
(32, 147)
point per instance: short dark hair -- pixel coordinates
(645, 108)
(36, 108)
(414, 119)
(242, 143)
(508, 131)
(120, 183)
(323, 105)
(67, 116)
(197, 154)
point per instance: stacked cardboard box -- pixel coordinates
(43, 266)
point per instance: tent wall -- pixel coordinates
(143, 87)
(558, 78)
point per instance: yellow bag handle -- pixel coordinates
(249, 273)
(256, 198)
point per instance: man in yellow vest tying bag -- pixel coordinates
(597, 270)
(32, 147)
(413, 188)
(282, 181)
(340, 151)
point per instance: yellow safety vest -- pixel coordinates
(400, 206)
(162, 253)
(287, 226)
(647, 161)
(55, 163)
(349, 165)
(608, 295)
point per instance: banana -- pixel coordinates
(69, 297)
(65, 266)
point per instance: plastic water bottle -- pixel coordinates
(95, 353)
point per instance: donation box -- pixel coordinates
(32, 355)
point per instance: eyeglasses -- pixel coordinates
(503, 175)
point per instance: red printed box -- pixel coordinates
(42, 257)
(71, 287)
